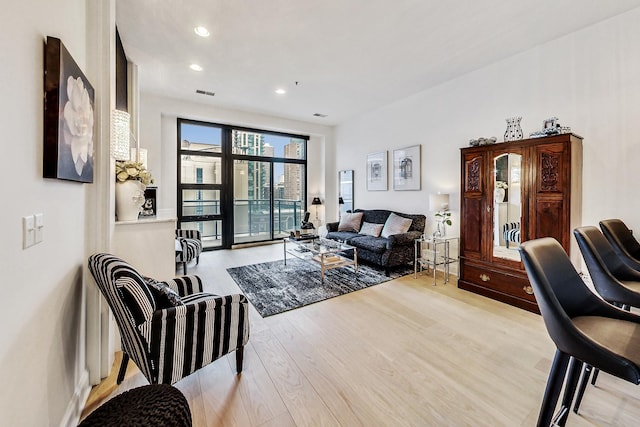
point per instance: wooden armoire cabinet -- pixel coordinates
(512, 192)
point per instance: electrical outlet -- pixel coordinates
(39, 227)
(28, 231)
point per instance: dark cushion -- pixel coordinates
(164, 296)
(370, 243)
(343, 236)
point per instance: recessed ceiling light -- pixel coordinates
(205, 92)
(281, 91)
(201, 31)
(195, 67)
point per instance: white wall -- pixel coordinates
(158, 134)
(41, 321)
(588, 79)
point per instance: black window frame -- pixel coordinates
(226, 187)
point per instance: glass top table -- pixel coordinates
(329, 254)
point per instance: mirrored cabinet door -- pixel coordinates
(507, 205)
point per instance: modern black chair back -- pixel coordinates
(606, 268)
(622, 240)
(563, 299)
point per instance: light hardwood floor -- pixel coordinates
(403, 353)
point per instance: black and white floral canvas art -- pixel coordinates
(68, 116)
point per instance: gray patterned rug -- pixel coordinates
(274, 288)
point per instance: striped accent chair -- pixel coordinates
(511, 233)
(191, 247)
(170, 329)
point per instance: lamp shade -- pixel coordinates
(316, 201)
(120, 135)
(340, 201)
(438, 202)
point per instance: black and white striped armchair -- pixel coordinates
(190, 247)
(511, 233)
(170, 329)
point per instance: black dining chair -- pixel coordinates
(579, 323)
(622, 240)
(616, 282)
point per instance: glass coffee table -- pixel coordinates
(329, 254)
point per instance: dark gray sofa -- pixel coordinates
(396, 250)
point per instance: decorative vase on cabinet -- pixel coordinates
(514, 130)
(129, 199)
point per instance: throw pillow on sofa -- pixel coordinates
(396, 224)
(350, 222)
(371, 229)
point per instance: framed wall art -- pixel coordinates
(68, 116)
(406, 168)
(149, 208)
(377, 171)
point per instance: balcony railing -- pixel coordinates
(251, 216)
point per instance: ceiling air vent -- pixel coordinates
(319, 115)
(204, 92)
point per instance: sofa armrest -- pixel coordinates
(332, 226)
(403, 239)
(185, 285)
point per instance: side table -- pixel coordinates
(432, 251)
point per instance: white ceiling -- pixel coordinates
(349, 56)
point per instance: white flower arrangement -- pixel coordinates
(501, 184)
(131, 170)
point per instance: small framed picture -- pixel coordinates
(406, 168)
(377, 171)
(149, 206)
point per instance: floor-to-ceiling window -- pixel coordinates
(200, 183)
(239, 185)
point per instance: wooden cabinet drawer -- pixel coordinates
(497, 283)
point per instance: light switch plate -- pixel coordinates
(28, 231)
(39, 227)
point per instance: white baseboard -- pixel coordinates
(76, 405)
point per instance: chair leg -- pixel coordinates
(239, 359)
(197, 260)
(586, 373)
(575, 367)
(554, 386)
(595, 376)
(123, 367)
(184, 267)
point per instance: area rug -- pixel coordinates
(274, 288)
